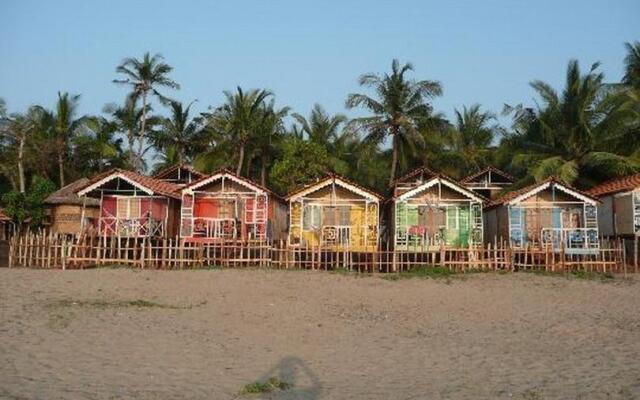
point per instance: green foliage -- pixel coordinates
(20, 207)
(40, 189)
(424, 272)
(144, 77)
(573, 135)
(103, 304)
(398, 112)
(632, 65)
(584, 133)
(15, 206)
(301, 163)
(237, 119)
(176, 138)
(270, 385)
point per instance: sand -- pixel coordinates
(206, 334)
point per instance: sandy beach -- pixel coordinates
(118, 333)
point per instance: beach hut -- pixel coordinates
(180, 174)
(334, 213)
(431, 209)
(619, 212)
(70, 214)
(225, 206)
(134, 205)
(489, 182)
(548, 213)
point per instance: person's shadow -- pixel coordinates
(294, 371)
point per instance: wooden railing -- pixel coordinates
(131, 227)
(218, 228)
(42, 250)
(570, 238)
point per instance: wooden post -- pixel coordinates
(635, 254)
(63, 253)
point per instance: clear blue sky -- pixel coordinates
(307, 51)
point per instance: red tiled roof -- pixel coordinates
(490, 168)
(157, 186)
(333, 176)
(616, 185)
(3, 216)
(512, 195)
(167, 171)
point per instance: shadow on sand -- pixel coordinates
(293, 370)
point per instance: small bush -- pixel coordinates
(592, 275)
(270, 385)
(424, 272)
(102, 304)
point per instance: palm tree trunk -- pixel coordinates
(394, 159)
(240, 159)
(143, 127)
(20, 165)
(61, 167)
(132, 155)
(263, 171)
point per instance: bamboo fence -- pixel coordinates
(45, 250)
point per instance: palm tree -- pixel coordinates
(144, 77)
(469, 140)
(632, 65)
(571, 135)
(321, 127)
(64, 128)
(327, 130)
(177, 133)
(399, 109)
(18, 129)
(237, 119)
(128, 120)
(267, 136)
(99, 149)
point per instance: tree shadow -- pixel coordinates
(295, 371)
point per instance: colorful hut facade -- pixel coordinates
(179, 174)
(546, 214)
(430, 209)
(489, 182)
(134, 205)
(70, 214)
(619, 211)
(225, 206)
(334, 213)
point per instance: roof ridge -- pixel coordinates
(446, 177)
(518, 192)
(484, 170)
(412, 173)
(333, 175)
(225, 170)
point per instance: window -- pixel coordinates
(311, 217)
(344, 215)
(463, 218)
(128, 207)
(452, 217)
(330, 216)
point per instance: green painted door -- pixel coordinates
(463, 226)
